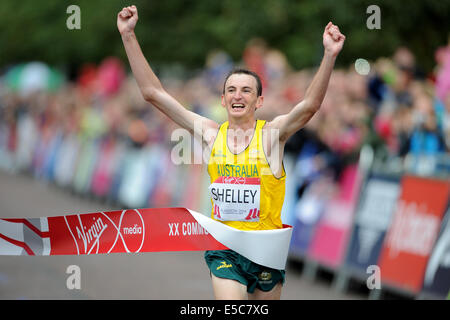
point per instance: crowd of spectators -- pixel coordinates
(397, 109)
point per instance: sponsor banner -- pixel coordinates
(105, 166)
(139, 230)
(308, 212)
(413, 231)
(333, 230)
(437, 274)
(373, 217)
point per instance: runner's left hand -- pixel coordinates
(333, 39)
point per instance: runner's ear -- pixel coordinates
(259, 102)
(223, 101)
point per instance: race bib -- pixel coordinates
(236, 198)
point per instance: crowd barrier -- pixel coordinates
(389, 215)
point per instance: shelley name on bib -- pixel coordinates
(236, 199)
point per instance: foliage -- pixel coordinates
(184, 31)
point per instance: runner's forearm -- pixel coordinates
(145, 77)
(317, 89)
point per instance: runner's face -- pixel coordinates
(240, 97)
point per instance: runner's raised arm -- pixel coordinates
(149, 84)
(289, 123)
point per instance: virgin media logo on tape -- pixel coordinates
(413, 230)
(91, 235)
(107, 232)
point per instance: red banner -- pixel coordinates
(134, 230)
(413, 231)
(140, 230)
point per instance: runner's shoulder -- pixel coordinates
(210, 130)
(210, 124)
(275, 123)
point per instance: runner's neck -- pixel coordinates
(235, 125)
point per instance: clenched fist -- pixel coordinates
(333, 39)
(127, 19)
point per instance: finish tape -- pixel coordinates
(140, 230)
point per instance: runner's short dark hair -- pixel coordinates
(248, 72)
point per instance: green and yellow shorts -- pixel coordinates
(229, 264)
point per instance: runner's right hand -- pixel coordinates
(127, 19)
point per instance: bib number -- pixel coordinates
(236, 199)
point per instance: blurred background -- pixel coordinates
(76, 136)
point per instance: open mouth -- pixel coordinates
(238, 106)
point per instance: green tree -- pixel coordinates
(184, 31)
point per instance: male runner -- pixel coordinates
(247, 180)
